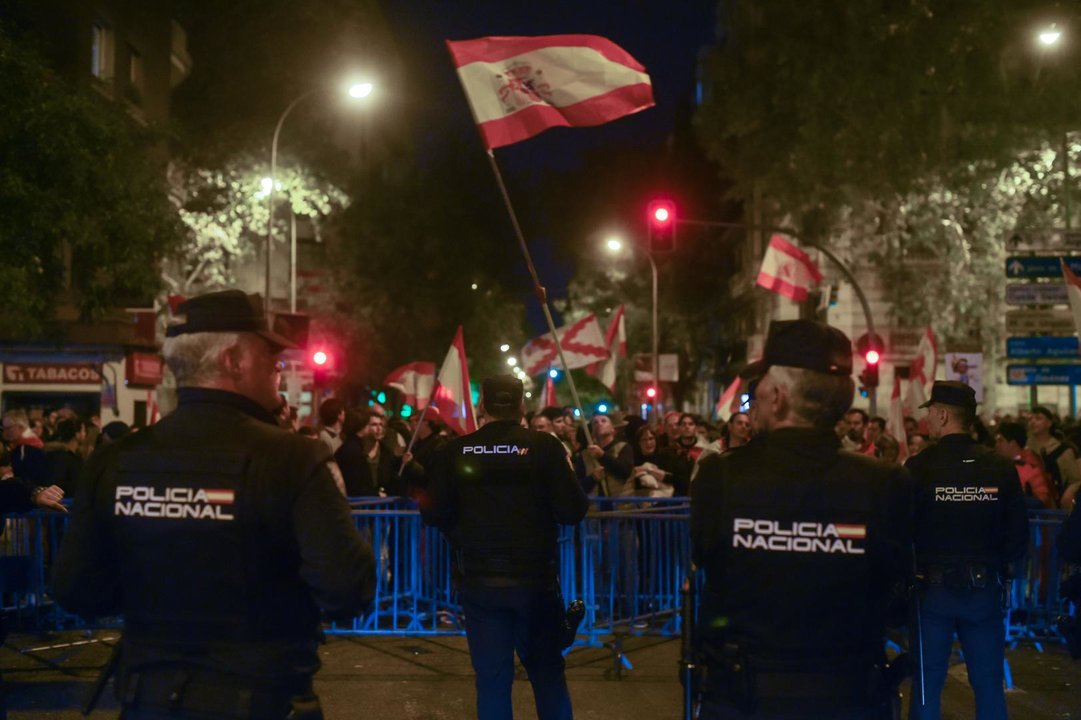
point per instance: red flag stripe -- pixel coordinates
(783, 287)
(535, 119)
(777, 242)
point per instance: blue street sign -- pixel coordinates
(1043, 374)
(1043, 347)
(1039, 267)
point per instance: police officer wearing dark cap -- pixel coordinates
(499, 495)
(804, 547)
(970, 527)
(217, 535)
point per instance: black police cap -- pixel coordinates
(951, 392)
(225, 311)
(804, 344)
(502, 391)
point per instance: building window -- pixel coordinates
(136, 76)
(101, 52)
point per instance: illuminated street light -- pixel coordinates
(473, 286)
(512, 361)
(270, 187)
(504, 347)
(614, 244)
(360, 90)
(1050, 35)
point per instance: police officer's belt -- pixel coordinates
(188, 690)
(473, 566)
(959, 575)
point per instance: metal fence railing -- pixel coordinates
(627, 561)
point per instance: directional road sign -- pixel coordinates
(1043, 240)
(1041, 266)
(1042, 347)
(1036, 294)
(1047, 322)
(1043, 374)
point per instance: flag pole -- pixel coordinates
(416, 431)
(542, 294)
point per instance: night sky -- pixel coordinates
(666, 37)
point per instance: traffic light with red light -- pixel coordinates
(321, 362)
(661, 218)
(870, 346)
(651, 393)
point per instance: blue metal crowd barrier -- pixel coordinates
(626, 561)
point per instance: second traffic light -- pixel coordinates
(661, 219)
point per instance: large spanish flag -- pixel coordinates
(518, 87)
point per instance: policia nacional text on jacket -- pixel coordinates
(217, 535)
(803, 546)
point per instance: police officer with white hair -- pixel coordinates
(217, 535)
(803, 544)
(971, 527)
(499, 495)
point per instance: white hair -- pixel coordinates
(195, 358)
(815, 397)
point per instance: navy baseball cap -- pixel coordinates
(804, 344)
(502, 391)
(225, 311)
(951, 392)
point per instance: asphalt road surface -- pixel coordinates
(407, 678)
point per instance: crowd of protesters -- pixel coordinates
(621, 457)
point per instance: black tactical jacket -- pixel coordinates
(969, 505)
(218, 536)
(499, 494)
(804, 546)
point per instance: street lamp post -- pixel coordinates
(615, 245)
(357, 90)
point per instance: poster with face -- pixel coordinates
(967, 368)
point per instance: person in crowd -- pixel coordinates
(606, 467)
(431, 438)
(788, 524)
(562, 427)
(331, 417)
(220, 583)
(917, 443)
(687, 447)
(737, 432)
(671, 429)
(368, 464)
(652, 474)
(65, 460)
(27, 456)
(971, 529)
(911, 427)
(856, 439)
(1010, 442)
(540, 423)
(501, 511)
(1059, 457)
(887, 449)
(876, 428)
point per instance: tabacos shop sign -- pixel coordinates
(51, 374)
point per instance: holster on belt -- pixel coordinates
(753, 688)
(961, 575)
(729, 675)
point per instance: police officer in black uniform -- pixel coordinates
(803, 546)
(970, 526)
(216, 534)
(498, 494)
